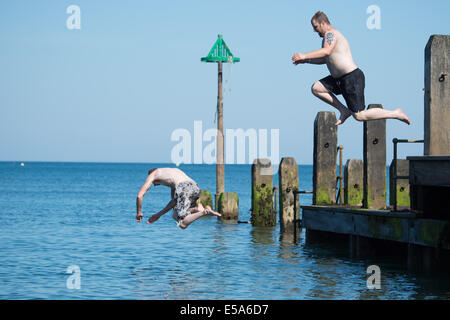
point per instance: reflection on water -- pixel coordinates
(263, 236)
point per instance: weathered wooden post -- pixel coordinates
(354, 194)
(402, 190)
(220, 53)
(205, 198)
(262, 193)
(288, 182)
(325, 154)
(375, 163)
(353, 181)
(229, 206)
(437, 99)
(429, 177)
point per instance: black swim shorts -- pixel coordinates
(351, 86)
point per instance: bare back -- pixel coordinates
(340, 61)
(170, 177)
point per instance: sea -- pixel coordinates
(68, 231)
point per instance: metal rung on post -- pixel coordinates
(298, 221)
(400, 177)
(275, 202)
(340, 194)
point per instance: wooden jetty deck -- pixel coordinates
(405, 227)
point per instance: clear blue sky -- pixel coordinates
(116, 89)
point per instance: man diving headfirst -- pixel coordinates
(185, 193)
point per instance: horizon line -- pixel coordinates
(126, 162)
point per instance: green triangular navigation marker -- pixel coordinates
(220, 53)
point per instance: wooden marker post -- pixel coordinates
(220, 53)
(220, 165)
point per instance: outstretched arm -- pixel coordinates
(318, 56)
(142, 192)
(328, 45)
(317, 61)
(158, 215)
(296, 60)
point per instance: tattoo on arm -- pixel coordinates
(330, 37)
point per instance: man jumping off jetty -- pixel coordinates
(185, 193)
(346, 78)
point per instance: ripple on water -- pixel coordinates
(83, 214)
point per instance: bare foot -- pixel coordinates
(402, 116)
(210, 211)
(344, 115)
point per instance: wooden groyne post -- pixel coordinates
(262, 194)
(430, 175)
(229, 206)
(288, 182)
(325, 155)
(374, 163)
(353, 182)
(205, 198)
(437, 99)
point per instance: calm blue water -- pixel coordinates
(55, 215)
